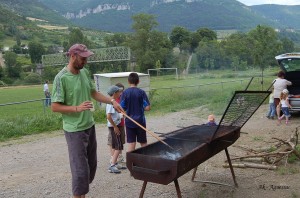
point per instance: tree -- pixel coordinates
(17, 49)
(194, 41)
(144, 22)
(235, 63)
(209, 54)
(202, 34)
(76, 36)
(18, 40)
(12, 29)
(179, 36)
(10, 59)
(13, 69)
(36, 50)
(265, 46)
(287, 45)
(1, 73)
(115, 40)
(237, 46)
(207, 34)
(148, 45)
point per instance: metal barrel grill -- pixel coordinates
(193, 145)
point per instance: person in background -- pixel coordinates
(71, 96)
(47, 94)
(285, 105)
(279, 84)
(135, 102)
(272, 107)
(211, 120)
(115, 130)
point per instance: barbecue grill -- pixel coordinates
(193, 145)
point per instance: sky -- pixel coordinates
(281, 2)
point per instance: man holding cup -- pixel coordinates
(72, 97)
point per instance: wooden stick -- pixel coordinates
(251, 165)
(150, 132)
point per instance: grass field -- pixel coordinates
(210, 90)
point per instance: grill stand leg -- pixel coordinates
(176, 185)
(194, 173)
(143, 190)
(231, 168)
(177, 188)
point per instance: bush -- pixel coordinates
(33, 78)
(228, 75)
(2, 84)
(7, 80)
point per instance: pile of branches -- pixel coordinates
(267, 158)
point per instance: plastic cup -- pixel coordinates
(93, 108)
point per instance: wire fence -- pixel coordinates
(39, 106)
(200, 85)
(25, 108)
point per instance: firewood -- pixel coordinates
(255, 159)
(236, 165)
(251, 165)
(273, 154)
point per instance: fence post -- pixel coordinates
(222, 86)
(43, 103)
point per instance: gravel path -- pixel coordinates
(37, 166)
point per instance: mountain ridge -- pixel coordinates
(192, 14)
(115, 15)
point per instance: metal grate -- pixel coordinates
(242, 106)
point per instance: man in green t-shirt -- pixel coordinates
(72, 95)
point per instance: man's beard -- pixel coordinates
(78, 67)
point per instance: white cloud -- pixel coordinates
(281, 2)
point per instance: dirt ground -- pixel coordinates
(37, 166)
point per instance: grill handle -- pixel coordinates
(149, 171)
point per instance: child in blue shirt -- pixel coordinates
(135, 102)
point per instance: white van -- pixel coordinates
(290, 64)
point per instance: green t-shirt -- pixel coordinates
(72, 90)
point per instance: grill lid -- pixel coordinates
(241, 107)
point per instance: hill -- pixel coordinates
(34, 9)
(115, 15)
(8, 16)
(287, 16)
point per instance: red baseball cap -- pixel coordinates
(80, 49)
